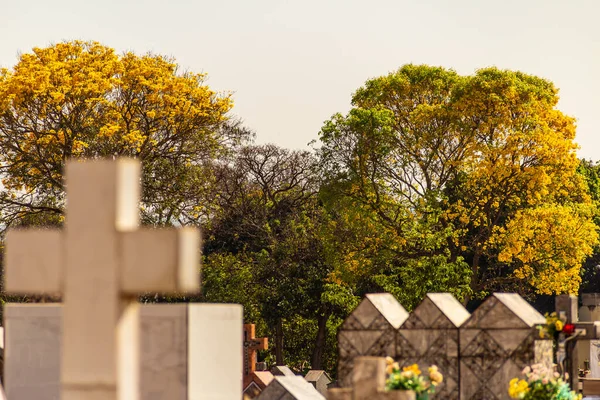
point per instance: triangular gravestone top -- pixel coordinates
(504, 311)
(437, 311)
(521, 308)
(290, 387)
(282, 370)
(389, 308)
(263, 378)
(316, 374)
(450, 307)
(319, 379)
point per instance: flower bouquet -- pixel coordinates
(541, 383)
(552, 328)
(410, 379)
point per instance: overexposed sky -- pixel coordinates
(292, 64)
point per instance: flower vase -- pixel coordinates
(401, 395)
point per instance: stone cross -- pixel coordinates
(567, 357)
(100, 262)
(251, 346)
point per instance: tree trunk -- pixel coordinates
(474, 276)
(319, 349)
(279, 342)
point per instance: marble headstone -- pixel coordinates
(189, 351)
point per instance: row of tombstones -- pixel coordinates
(478, 353)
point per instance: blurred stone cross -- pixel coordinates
(251, 345)
(100, 262)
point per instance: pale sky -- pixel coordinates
(292, 64)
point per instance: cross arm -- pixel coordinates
(34, 260)
(160, 260)
(259, 343)
(587, 330)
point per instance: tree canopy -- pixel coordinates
(478, 169)
(81, 99)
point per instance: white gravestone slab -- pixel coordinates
(188, 351)
(31, 359)
(215, 356)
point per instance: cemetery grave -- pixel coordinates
(255, 380)
(478, 353)
(430, 336)
(369, 330)
(285, 387)
(100, 262)
(319, 379)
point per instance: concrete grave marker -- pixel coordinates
(370, 330)
(430, 336)
(188, 351)
(32, 354)
(100, 262)
(290, 388)
(319, 379)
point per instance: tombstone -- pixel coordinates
(176, 342)
(567, 354)
(370, 330)
(260, 380)
(319, 379)
(290, 388)
(32, 354)
(589, 350)
(282, 370)
(368, 383)
(251, 346)
(430, 336)
(100, 262)
(496, 343)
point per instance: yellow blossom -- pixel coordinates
(517, 388)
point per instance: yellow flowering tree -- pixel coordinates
(478, 170)
(81, 99)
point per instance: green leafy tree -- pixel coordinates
(470, 182)
(271, 221)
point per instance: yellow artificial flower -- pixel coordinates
(559, 325)
(413, 369)
(517, 388)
